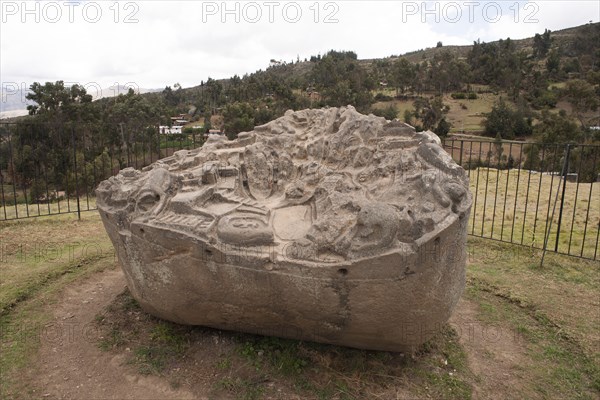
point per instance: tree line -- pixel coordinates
(532, 80)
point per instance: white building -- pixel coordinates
(170, 130)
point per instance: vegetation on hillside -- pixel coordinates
(530, 75)
(546, 88)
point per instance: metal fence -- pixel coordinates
(545, 196)
(50, 169)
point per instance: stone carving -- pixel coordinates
(323, 225)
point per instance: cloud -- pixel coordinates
(158, 43)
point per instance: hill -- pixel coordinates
(448, 89)
(529, 74)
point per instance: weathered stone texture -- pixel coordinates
(324, 225)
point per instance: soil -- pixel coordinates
(495, 354)
(70, 364)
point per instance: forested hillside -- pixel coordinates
(543, 89)
(547, 87)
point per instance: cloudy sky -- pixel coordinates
(155, 43)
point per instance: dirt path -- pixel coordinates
(71, 366)
(495, 354)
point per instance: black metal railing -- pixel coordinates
(50, 169)
(545, 196)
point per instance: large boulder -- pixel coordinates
(323, 225)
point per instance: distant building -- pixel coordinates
(170, 130)
(181, 119)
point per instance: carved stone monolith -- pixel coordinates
(323, 225)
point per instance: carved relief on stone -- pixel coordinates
(317, 187)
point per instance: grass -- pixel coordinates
(39, 257)
(555, 307)
(154, 343)
(400, 105)
(514, 205)
(253, 367)
(22, 210)
(556, 366)
(551, 308)
(23, 329)
(168, 343)
(245, 389)
(465, 116)
(35, 252)
(551, 311)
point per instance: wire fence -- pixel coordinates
(546, 196)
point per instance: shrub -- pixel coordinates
(390, 112)
(383, 97)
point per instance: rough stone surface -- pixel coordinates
(324, 225)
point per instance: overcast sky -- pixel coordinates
(152, 44)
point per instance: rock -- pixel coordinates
(323, 225)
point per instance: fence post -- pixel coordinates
(75, 170)
(460, 158)
(562, 199)
(158, 157)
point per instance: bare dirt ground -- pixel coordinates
(70, 364)
(495, 354)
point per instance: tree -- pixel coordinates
(343, 81)
(499, 64)
(171, 97)
(57, 102)
(238, 117)
(504, 122)
(553, 62)
(408, 115)
(553, 128)
(585, 46)
(403, 75)
(132, 109)
(557, 128)
(447, 73)
(390, 112)
(207, 123)
(430, 112)
(442, 128)
(541, 44)
(582, 97)
(214, 90)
